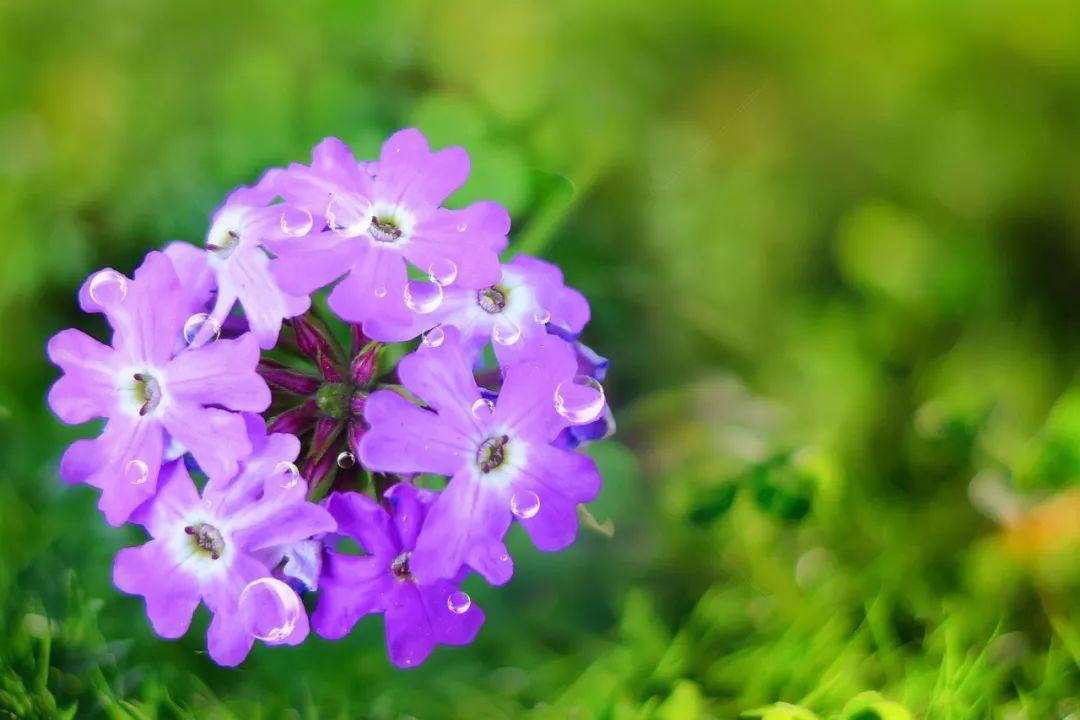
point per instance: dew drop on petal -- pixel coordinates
(462, 227)
(580, 400)
(290, 474)
(505, 331)
(201, 329)
(542, 316)
(108, 287)
(346, 218)
(269, 609)
(483, 408)
(346, 460)
(423, 297)
(380, 292)
(459, 602)
(434, 337)
(296, 221)
(443, 272)
(137, 472)
(525, 504)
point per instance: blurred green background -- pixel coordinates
(833, 250)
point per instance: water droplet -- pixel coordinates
(201, 329)
(434, 337)
(462, 227)
(346, 460)
(290, 474)
(542, 316)
(580, 400)
(443, 272)
(108, 287)
(380, 292)
(296, 221)
(423, 297)
(525, 504)
(505, 331)
(483, 408)
(459, 602)
(137, 472)
(348, 217)
(269, 609)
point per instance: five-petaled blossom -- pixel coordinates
(418, 615)
(153, 388)
(499, 455)
(254, 427)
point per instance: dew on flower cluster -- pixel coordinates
(290, 474)
(346, 460)
(434, 337)
(269, 609)
(505, 331)
(108, 287)
(201, 329)
(380, 292)
(459, 602)
(443, 272)
(525, 504)
(542, 316)
(347, 220)
(580, 400)
(423, 297)
(483, 408)
(296, 221)
(137, 472)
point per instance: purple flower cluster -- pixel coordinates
(278, 403)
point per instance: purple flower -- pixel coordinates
(377, 219)
(418, 615)
(152, 388)
(500, 456)
(529, 301)
(220, 549)
(242, 268)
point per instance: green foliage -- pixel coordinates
(830, 249)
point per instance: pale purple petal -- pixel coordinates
(527, 398)
(465, 527)
(176, 496)
(443, 378)
(217, 439)
(406, 438)
(227, 640)
(374, 287)
(411, 175)
(171, 593)
(87, 389)
(220, 373)
(123, 462)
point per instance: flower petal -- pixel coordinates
(219, 373)
(406, 438)
(465, 526)
(217, 439)
(349, 588)
(87, 389)
(153, 571)
(409, 635)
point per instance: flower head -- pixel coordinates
(512, 314)
(418, 615)
(153, 389)
(221, 549)
(499, 456)
(377, 219)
